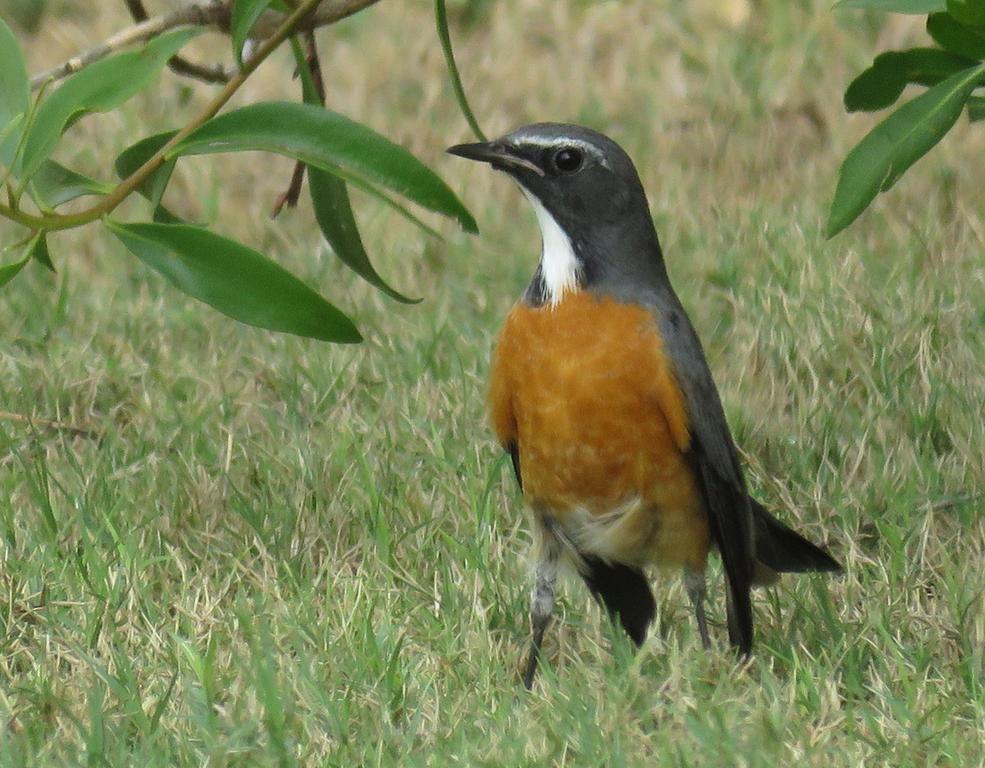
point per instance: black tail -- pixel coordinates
(782, 549)
(624, 592)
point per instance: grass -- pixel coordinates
(276, 552)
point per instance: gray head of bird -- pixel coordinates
(595, 223)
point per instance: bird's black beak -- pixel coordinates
(499, 155)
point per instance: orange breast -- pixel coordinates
(585, 390)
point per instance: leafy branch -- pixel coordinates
(49, 223)
(231, 277)
(216, 15)
(952, 72)
(178, 64)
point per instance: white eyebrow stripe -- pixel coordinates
(559, 142)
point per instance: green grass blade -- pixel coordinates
(441, 21)
(236, 280)
(886, 152)
(162, 703)
(332, 142)
(268, 688)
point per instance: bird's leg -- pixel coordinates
(694, 583)
(541, 603)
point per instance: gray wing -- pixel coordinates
(715, 462)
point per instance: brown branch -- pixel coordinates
(293, 193)
(179, 64)
(314, 64)
(136, 8)
(200, 15)
(203, 14)
(290, 197)
(329, 12)
(55, 221)
(214, 74)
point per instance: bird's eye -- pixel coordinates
(568, 159)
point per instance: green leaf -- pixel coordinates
(244, 16)
(441, 21)
(8, 138)
(976, 108)
(332, 142)
(917, 7)
(15, 89)
(100, 87)
(881, 84)
(234, 279)
(971, 13)
(309, 91)
(39, 252)
(337, 223)
(955, 37)
(164, 216)
(53, 184)
(134, 156)
(9, 271)
(330, 200)
(879, 159)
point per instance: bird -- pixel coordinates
(601, 394)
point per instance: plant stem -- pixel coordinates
(205, 14)
(107, 204)
(192, 15)
(441, 20)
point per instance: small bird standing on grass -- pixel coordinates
(603, 398)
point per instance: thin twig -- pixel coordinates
(108, 203)
(205, 14)
(314, 64)
(57, 426)
(289, 198)
(293, 193)
(179, 64)
(200, 15)
(215, 74)
(329, 12)
(136, 8)
(441, 20)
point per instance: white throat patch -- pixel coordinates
(558, 265)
